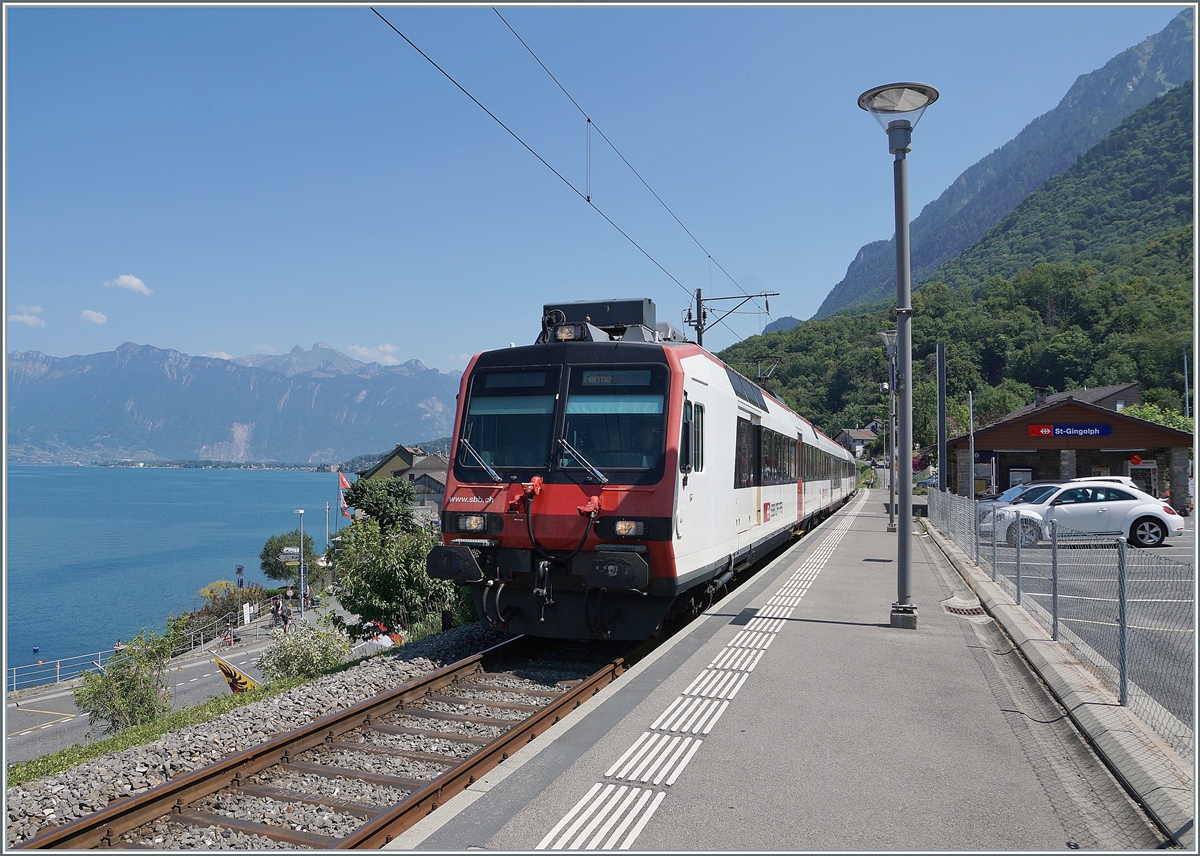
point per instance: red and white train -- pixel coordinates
(613, 474)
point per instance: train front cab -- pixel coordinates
(559, 500)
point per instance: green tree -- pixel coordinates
(381, 577)
(386, 501)
(132, 688)
(217, 592)
(269, 557)
(1161, 416)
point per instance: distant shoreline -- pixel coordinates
(183, 465)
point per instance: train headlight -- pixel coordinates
(472, 523)
(629, 528)
(569, 332)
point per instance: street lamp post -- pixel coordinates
(303, 567)
(898, 107)
(241, 569)
(889, 339)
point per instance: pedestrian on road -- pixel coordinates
(286, 616)
(120, 646)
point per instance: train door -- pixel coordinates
(698, 515)
(747, 486)
(799, 473)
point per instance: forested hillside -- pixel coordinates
(1051, 143)
(1087, 283)
(1134, 184)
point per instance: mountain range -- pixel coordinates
(987, 191)
(144, 403)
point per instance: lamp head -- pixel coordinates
(889, 339)
(898, 108)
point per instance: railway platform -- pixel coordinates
(791, 716)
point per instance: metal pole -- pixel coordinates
(1018, 539)
(904, 611)
(1122, 622)
(699, 319)
(941, 369)
(300, 511)
(1187, 391)
(975, 528)
(1054, 579)
(891, 450)
(995, 530)
(971, 443)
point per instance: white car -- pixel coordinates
(1093, 508)
(1125, 480)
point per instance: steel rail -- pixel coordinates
(103, 829)
(380, 830)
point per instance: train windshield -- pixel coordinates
(510, 418)
(615, 417)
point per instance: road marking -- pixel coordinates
(63, 717)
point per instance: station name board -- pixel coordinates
(1070, 430)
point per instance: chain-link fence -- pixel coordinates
(1124, 612)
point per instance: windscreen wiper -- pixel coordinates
(599, 475)
(466, 444)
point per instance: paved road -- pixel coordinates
(1159, 601)
(41, 721)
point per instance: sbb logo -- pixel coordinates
(1041, 430)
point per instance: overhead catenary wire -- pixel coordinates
(515, 136)
(646, 184)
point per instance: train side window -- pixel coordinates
(697, 437)
(745, 470)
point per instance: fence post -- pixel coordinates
(975, 528)
(995, 531)
(1018, 540)
(1122, 622)
(1054, 579)
(57, 671)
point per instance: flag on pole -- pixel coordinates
(345, 509)
(239, 681)
(343, 482)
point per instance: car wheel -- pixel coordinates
(1030, 534)
(1147, 532)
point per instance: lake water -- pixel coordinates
(94, 554)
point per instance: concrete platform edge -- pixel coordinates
(425, 827)
(1150, 769)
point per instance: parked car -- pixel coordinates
(1018, 493)
(930, 482)
(1093, 508)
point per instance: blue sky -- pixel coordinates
(235, 180)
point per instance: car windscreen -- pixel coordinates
(1035, 495)
(615, 417)
(510, 417)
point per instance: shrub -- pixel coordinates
(307, 652)
(132, 688)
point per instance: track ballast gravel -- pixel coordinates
(36, 806)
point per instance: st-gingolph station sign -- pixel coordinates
(1070, 430)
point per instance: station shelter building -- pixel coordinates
(1067, 438)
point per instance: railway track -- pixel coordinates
(359, 777)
